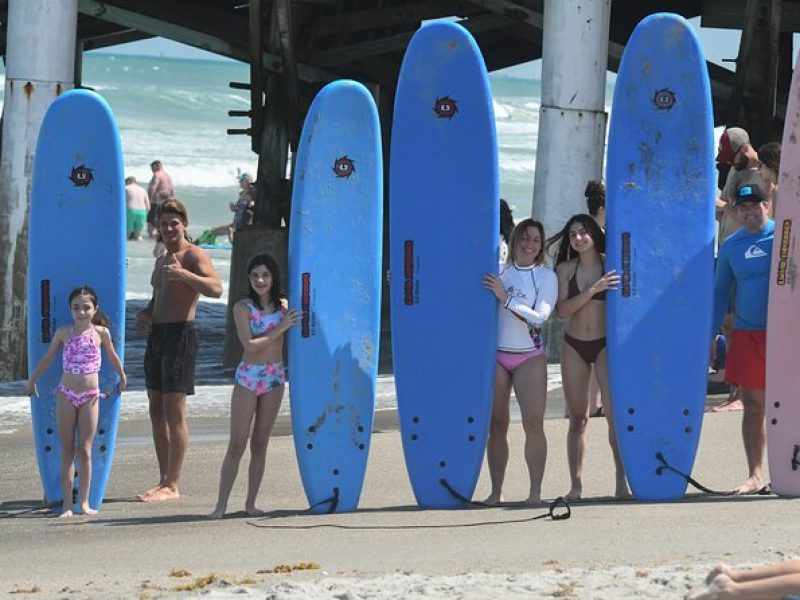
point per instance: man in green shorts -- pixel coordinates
(137, 204)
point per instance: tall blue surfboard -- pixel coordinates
(660, 239)
(76, 237)
(335, 267)
(444, 195)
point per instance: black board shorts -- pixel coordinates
(170, 358)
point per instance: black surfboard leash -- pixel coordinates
(664, 465)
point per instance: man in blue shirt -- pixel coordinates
(744, 259)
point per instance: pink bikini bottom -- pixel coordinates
(511, 360)
(78, 399)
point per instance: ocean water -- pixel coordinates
(175, 110)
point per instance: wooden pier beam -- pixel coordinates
(754, 96)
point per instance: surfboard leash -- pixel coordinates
(333, 502)
(765, 491)
(45, 508)
(554, 505)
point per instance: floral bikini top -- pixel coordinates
(262, 322)
(81, 356)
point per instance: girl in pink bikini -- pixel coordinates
(78, 393)
(526, 290)
(261, 320)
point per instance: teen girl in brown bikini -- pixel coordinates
(582, 285)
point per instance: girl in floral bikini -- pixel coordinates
(78, 392)
(261, 320)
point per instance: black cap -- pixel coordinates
(751, 192)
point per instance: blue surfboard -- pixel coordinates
(76, 237)
(444, 197)
(335, 267)
(660, 239)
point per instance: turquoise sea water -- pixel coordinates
(175, 110)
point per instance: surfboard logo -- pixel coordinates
(81, 176)
(408, 273)
(626, 264)
(664, 99)
(344, 166)
(445, 107)
(783, 259)
(305, 306)
(47, 332)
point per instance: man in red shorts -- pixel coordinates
(744, 259)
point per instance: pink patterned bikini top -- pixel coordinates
(81, 356)
(262, 322)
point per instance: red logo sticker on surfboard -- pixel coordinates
(626, 264)
(305, 306)
(408, 273)
(47, 332)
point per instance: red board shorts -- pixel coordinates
(745, 364)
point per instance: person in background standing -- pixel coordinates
(137, 205)
(735, 150)
(769, 162)
(160, 182)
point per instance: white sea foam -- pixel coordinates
(502, 111)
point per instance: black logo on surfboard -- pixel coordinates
(81, 176)
(344, 167)
(445, 108)
(664, 99)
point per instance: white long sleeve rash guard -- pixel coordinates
(532, 295)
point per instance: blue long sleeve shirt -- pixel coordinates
(744, 258)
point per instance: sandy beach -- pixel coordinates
(389, 548)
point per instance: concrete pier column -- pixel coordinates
(40, 63)
(572, 118)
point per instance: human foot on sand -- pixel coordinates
(534, 500)
(144, 495)
(217, 514)
(622, 492)
(493, 499)
(720, 569)
(254, 512)
(65, 514)
(165, 492)
(712, 591)
(752, 485)
(87, 510)
(574, 492)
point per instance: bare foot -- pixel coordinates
(494, 499)
(87, 510)
(752, 485)
(534, 500)
(720, 569)
(622, 492)
(144, 495)
(575, 492)
(65, 514)
(254, 512)
(217, 514)
(165, 492)
(713, 590)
